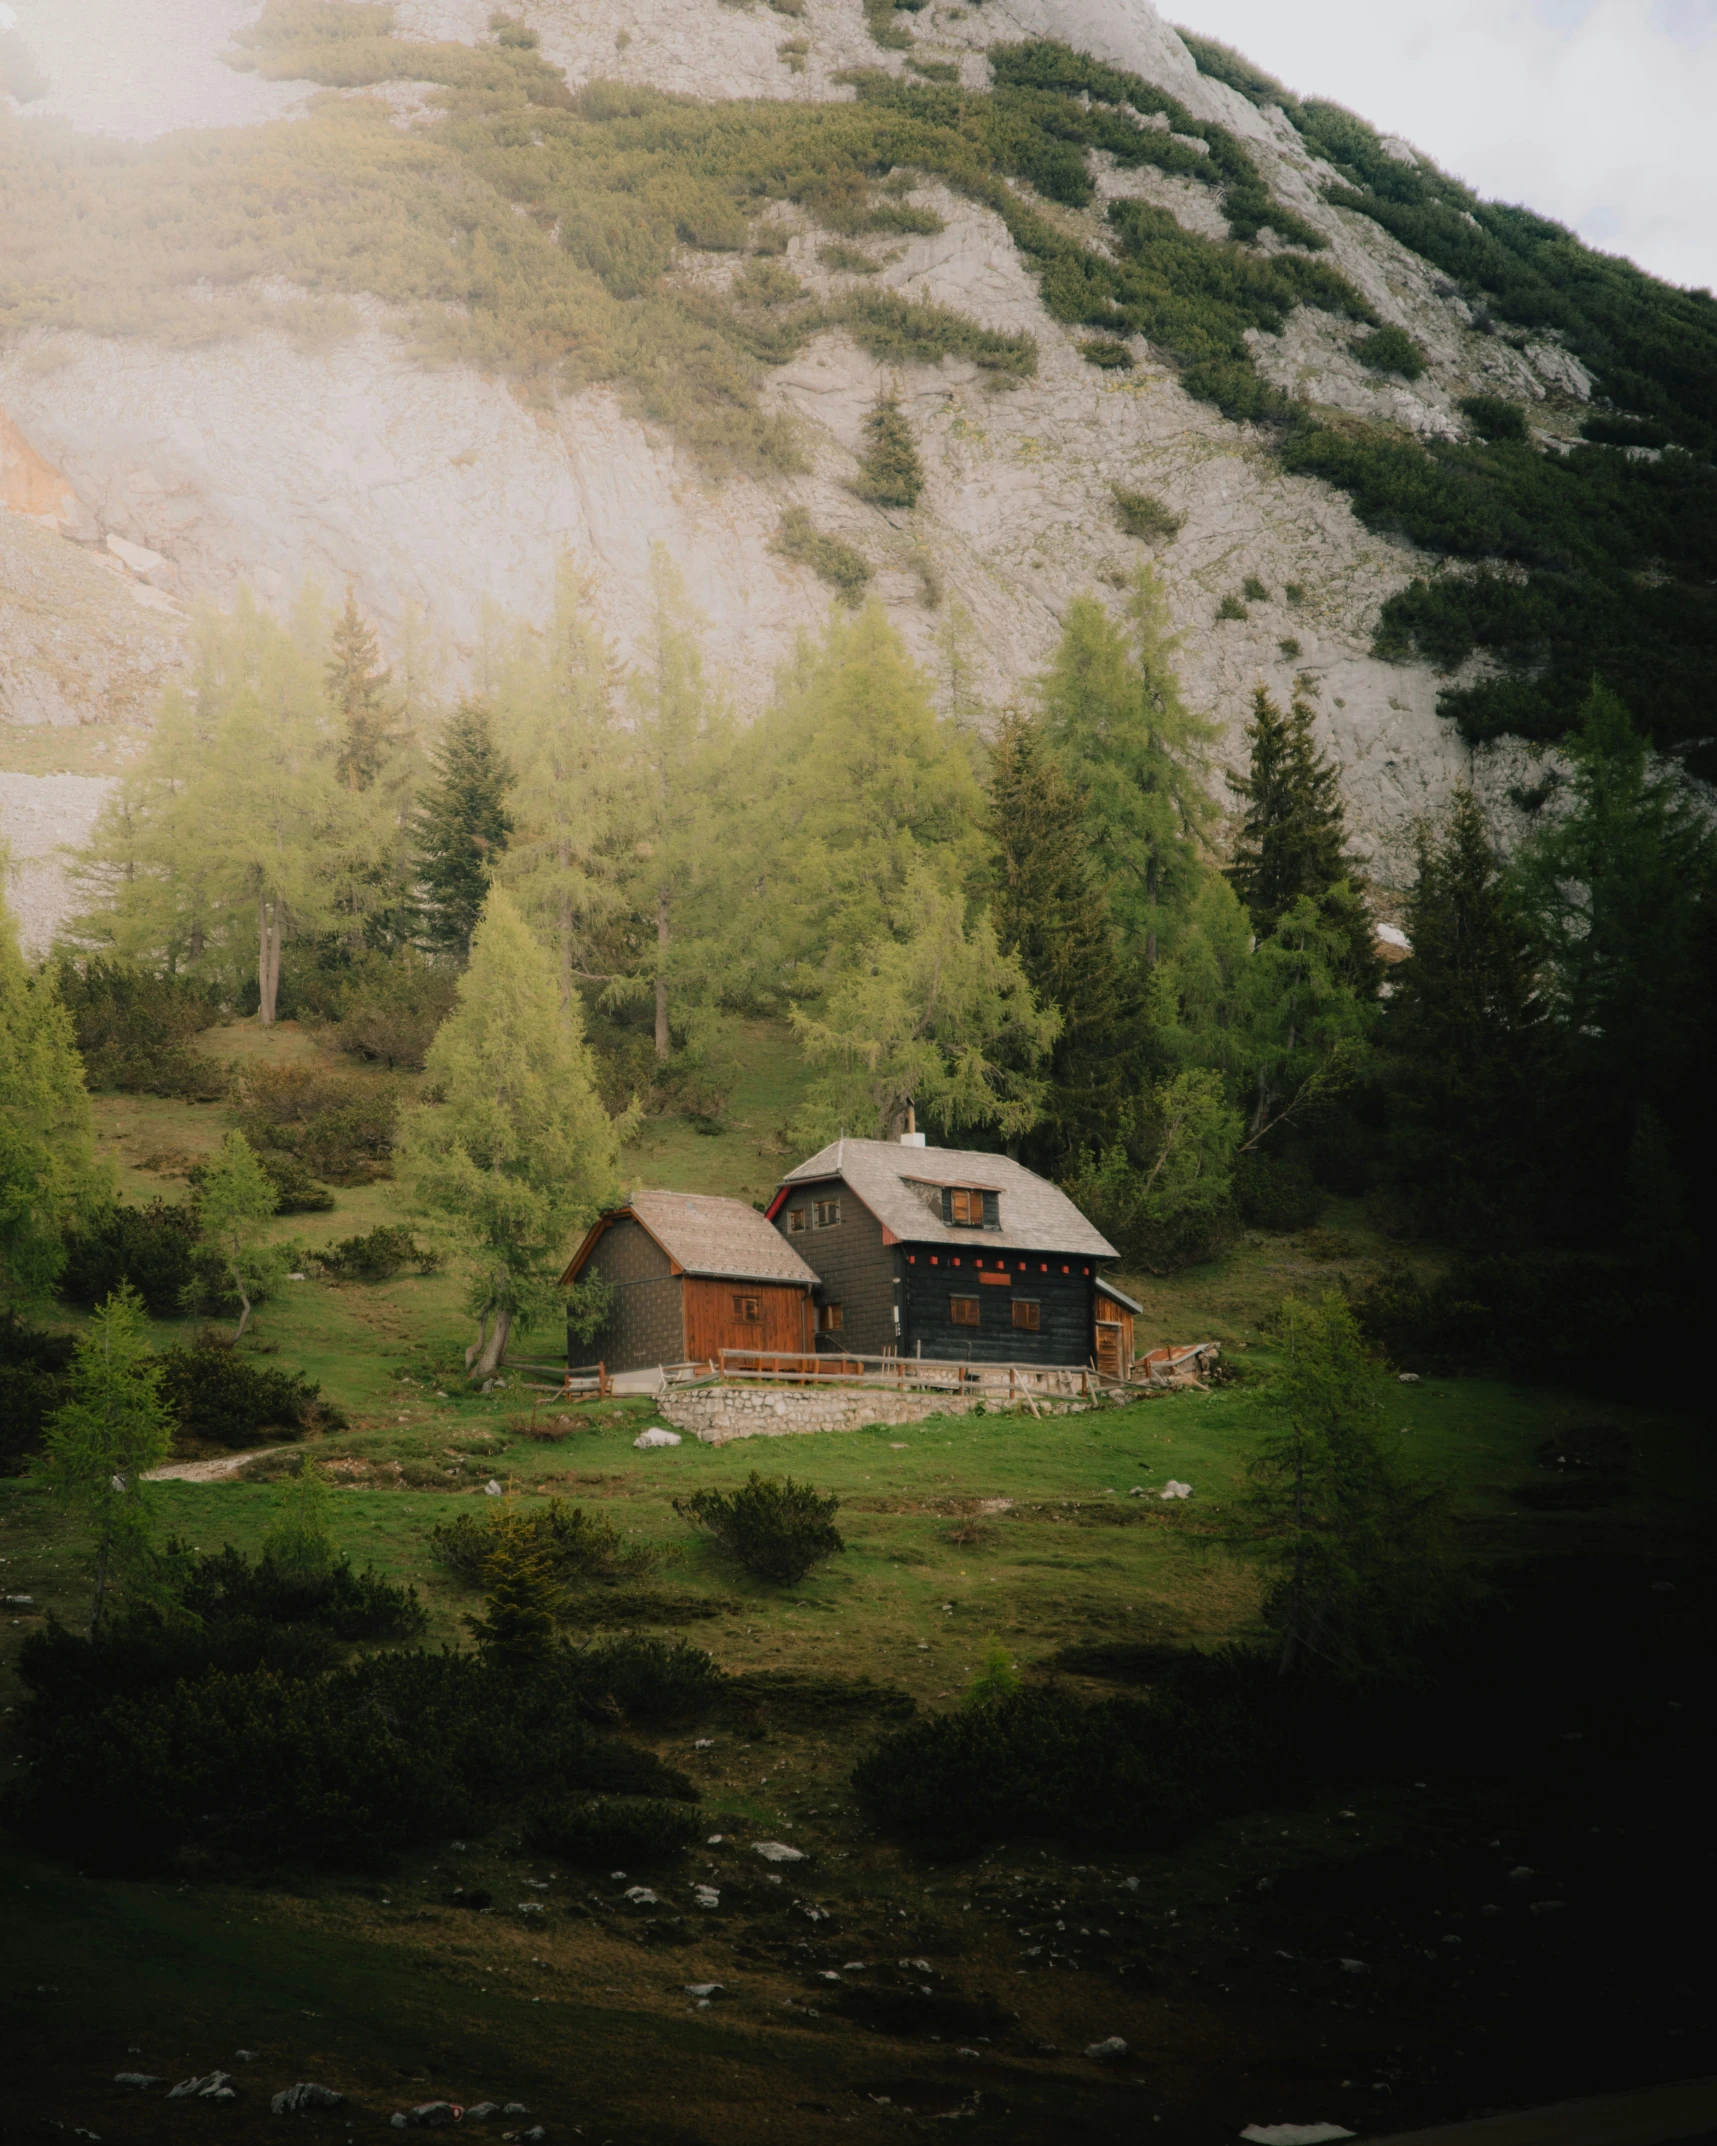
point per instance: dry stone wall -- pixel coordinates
(720, 1413)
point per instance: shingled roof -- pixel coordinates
(902, 1187)
(706, 1235)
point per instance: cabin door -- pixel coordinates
(1109, 1347)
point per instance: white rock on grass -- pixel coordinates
(1295, 2134)
(777, 1851)
(648, 1441)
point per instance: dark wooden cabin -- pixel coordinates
(943, 1253)
(691, 1275)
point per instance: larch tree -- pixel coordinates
(49, 1177)
(357, 686)
(516, 1153)
(235, 1202)
(111, 1434)
(1113, 712)
(891, 471)
(934, 1015)
(462, 828)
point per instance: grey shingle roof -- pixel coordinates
(728, 1238)
(902, 1187)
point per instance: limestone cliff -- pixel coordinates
(143, 478)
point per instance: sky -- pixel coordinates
(1599, 113)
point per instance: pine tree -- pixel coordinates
(517, 1152)
(1467, 1040)
(357, 691)
(517, 1627)
(1293, 835)
(462, 827)
(891, 473)
(1114, 714)
(1052, 916)
(48, 1172)
(107, 1438)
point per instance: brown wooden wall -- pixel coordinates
(1117, 1314)
(712, 1324)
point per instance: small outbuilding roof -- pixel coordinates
(902, 1187)
(703, 1234)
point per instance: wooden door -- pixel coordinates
(1109, 1348)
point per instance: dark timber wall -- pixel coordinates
(646, 1324)
(1061, 1288)
(856, 1268)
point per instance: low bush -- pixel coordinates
(1108, 354)
(891, 473)
(776, 1528)
(1142, 515)
(603, 1832)
(1390, 350)
(846, 571)
(349, 1766)
(1231, 607)
(296, 1191)
(910, 331)
(1210, 1740)
(225, 1584)
(377, 1256)
(134, 1029)
(643, 1680)
(574, 1545)
(33, 1367)
(338, 1127)
(393, 1007)
(1492, 417)
(153, 1248)
(222, 1397)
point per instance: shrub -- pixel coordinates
(33, 1367)
(643, 1680)
(296, 1191)
(345, 1767)
(578, 1546)
(1275, 1193)
(1254, 590)
(338, 1127)
(1142, 515)
(776, 1529)
(1232, 607)
(1105, 352)
(910, 331)
(890, 471)
(378, 1255)
(1390, 350)
(624, 1830)
(1119, 1770)
(152, 1248)
(1625, 432)
(848, 260)
(221, 1397)
(845, 570)
(134, 1029)
(1493, 418)
(393, 1007)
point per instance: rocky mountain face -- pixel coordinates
(144, 476)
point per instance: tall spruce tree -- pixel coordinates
(462, 827)
(1466, 1036)
(1051, 914)
(891, 473)
(1293, 834)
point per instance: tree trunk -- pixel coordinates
(268, 934)
(663, 1040)
(98, 1600)
(489, 1361)
(244, 1310)
(480, 1344)
(565, 944)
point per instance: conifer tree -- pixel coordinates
(462, 828)
(891, 473)
(48, 1171)
(1113, 711)
(297, 1538)
(1052, 916)
(517, 1152)
(1467, 1039)
(357, 691)
(1293, 834)
(107, 1438)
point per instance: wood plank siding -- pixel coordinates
(836, 1233)
(743, 1315)
(962, 1306)
(1114, 1336)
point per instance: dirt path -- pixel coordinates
(209, 1471)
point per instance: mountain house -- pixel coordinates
(691, 1275)
(942, 1253)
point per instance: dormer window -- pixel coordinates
(827, 1213)
(795, 1221)
(970, 1207)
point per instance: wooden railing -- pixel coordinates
(899, 1374)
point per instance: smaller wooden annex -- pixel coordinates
(691, 1274)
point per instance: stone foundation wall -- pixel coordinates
(715, 1414)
